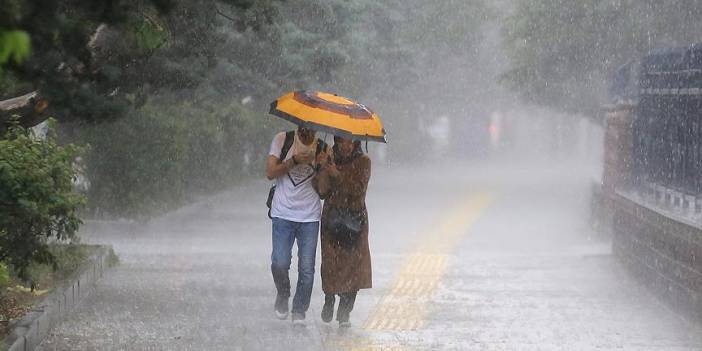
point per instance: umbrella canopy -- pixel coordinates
(330, 113)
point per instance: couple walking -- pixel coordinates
(306, 171)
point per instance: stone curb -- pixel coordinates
(34, 327)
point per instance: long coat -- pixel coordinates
(345, 269)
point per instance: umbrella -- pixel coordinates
(330, 113)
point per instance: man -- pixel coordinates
(295, 212)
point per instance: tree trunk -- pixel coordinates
(31, 109)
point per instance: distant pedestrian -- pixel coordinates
(346, 261)
(295, 210)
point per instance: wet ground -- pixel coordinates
(482, 257)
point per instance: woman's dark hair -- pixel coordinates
(340, 160)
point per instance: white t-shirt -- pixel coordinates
(295, 199)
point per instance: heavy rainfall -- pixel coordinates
(449, 175)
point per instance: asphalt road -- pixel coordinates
(472, 257)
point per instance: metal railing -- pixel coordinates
(667, 129)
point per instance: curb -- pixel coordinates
(34, 327)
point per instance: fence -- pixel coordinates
(667, 130)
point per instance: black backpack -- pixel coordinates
(287, 144)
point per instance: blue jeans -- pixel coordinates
(284, 235)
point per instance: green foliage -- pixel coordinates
(561, 53)
(4, 275)
(68, 259)
(110, 55)
(37, 202)
(40, 278)
(14, 45)
(60, 32)
(149, 33)
(189, 135)
(154, 86)
(161, 156)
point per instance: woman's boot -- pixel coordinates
(346, 302)
(328, 308)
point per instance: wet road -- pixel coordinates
(483, 257)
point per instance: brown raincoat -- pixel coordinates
(343, 269)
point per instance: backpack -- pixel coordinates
(287, 144)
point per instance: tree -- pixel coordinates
(93, 62)
(173, 96)
(97, 67)
(65, 38)
(159, 157)
(562, 53)
(37, 201)
(414, 68)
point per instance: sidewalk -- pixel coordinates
(524, 274)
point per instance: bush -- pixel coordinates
(68, 260)
(37, 201)
(4, 276)
(163, 156)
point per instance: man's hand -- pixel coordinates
(275, 168)
(304, 157)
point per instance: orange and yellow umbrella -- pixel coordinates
(330, 113)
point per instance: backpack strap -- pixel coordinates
(289, 138)
(321, 146)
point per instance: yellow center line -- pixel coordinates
(406, 305)
(423, 270)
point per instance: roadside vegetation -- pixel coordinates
(19, 295)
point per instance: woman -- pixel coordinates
(346, 262)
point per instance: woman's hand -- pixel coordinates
(323, 159)
(332, 170)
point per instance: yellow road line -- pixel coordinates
(405, 306)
